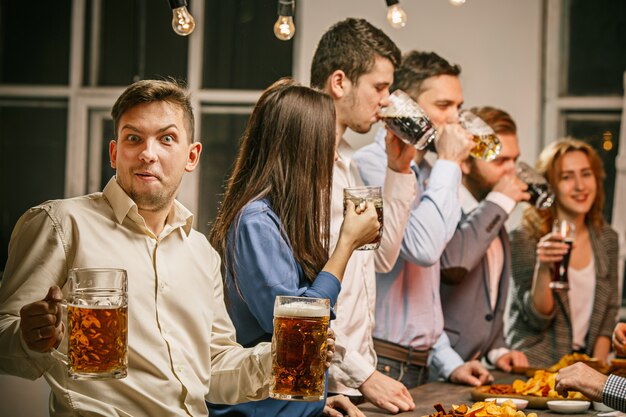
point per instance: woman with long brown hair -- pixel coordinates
(545, 323)
(272, 230)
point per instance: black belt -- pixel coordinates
(400, 353)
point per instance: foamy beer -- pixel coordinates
(487, 145)
(359, 197)
(299, 348)
(97, 324)
(406, 119)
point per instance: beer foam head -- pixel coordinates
(301, 309)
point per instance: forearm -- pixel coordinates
(602, 348)
(541, 294)
(337, 262)
(399, 193)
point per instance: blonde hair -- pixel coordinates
(539, 222)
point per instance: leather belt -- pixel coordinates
(400, 353)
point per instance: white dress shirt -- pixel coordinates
(355, 358)
(182, 347)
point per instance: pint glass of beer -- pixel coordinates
(487, 145)
(406, 119)
(370, 195)
(566, 231)
(97, 324)
(299, 348)
(541, 194)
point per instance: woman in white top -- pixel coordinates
(545, 323)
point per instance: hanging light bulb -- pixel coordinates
(284, 29)
(395, 15)
(182, 21)
(457, 2)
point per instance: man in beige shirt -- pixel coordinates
(182, 347)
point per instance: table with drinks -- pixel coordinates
(446, 393)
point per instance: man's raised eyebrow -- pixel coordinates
(130, 127)
(163, 129)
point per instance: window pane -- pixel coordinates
(137, 42)
(106, 172)
(602, 132)
(32, 160)
(597, 47)
(240, 49)
(220, 140)
(32, 36)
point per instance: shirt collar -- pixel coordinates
(345, 151)
(124, 206)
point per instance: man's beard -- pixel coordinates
(152, 201)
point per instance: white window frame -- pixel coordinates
(556, 105)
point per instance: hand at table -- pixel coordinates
(513, 358)
(619, 339)
(582, 378)
(471, 373)
(343, 403)
(387, 393)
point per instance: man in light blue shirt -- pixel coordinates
(409, 336)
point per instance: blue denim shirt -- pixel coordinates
(264, 266)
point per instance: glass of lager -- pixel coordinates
(299, 348)
(566, 231)
(97, 324)
(359, 197)
(406, 119)
(487, 145)
(541, 194)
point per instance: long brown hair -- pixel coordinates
(286, 156)
(539, 222)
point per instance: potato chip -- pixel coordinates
(481, 409)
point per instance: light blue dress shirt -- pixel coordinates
(264, 267)
(408, 304)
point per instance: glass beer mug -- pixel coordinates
(97, 324)
(406, 119)
(487, 145)
(299, 348)
(541, 194)
(371, 195)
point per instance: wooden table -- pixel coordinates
(446, 393)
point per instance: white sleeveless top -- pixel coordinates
(582, 288)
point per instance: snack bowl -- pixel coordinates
(568, 406)
(520, 403)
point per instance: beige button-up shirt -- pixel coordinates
(355, 359)
(182, 347)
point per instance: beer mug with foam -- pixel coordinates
(299, 348)
(97, 324)
(487, 145)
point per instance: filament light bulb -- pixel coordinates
(457, 2)
(395, 15)
(284, 29)
(182, 21)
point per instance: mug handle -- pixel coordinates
(56, 354)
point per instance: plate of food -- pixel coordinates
(538, 390)
(519, 403)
